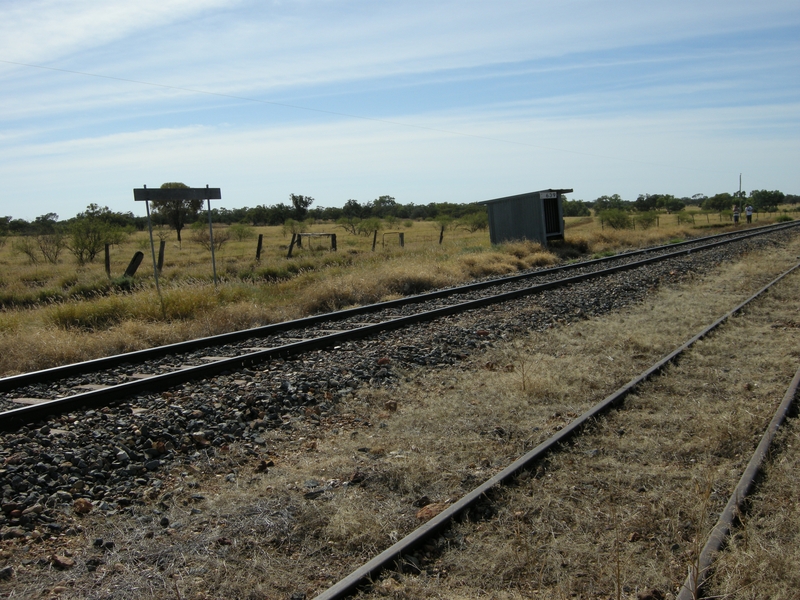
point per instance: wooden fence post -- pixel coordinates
(108, 260)
(374, 240)
(333, 242)
(161, 247)
(291, 245)
(258, 248)
(134, 264)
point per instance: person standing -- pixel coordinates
(748, 213)
(735, 214)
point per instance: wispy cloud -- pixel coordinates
(455, 99)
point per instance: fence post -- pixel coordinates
(108, 260)
(333, 242)
(134, 264)
(441, 235)
(402, 239)
(291, 245)
(374, 240)
(161, 247)
(258, 248)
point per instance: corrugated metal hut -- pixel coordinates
(536, 216)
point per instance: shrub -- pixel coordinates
(202, 237)
(25, 245)
(367, 226)
(477, 221)
(783, 218)
(615, 218)
(646, 219)
(684, 217)
(241, 232)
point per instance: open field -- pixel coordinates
(618, 514)
(58, 313)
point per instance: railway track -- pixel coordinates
(403, 553)
(31, 396)
(116, 456)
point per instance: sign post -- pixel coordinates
(147, 195)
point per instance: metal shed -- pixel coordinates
(536, 216)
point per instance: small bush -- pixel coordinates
(783, 218)
(477, 221)
(241, 232)
(646, 219)
(202, 237)
(615, 218)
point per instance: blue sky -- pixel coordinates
(425, 101)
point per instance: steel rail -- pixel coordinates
(699, 572)
(13, 418)
(139, 356)
(386, 559)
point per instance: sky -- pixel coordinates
(425, 101)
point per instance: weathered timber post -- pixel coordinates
(333, 242)
(441, 235)
(259, 246)
(402, 240)
(161, 247)
(291, 245)
(211, 236)
(134, 264)
(374, 240)
(108, 260)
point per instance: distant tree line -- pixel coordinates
(96, 226)
(760, 200)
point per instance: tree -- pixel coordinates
(300, 204)
(352, 208)
(609, 202)
(576, 208)
(384, 206)
(766, 200)
(670, 203)
(90, 231)
(177, 213)
(477, 221)
(349, 224)
(718, 202)
(646, 202)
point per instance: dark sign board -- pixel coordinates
(205, 193)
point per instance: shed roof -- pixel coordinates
(521, 196)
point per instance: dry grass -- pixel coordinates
(762, 557)
(622, 510)
(54, 314)
(627, 507)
